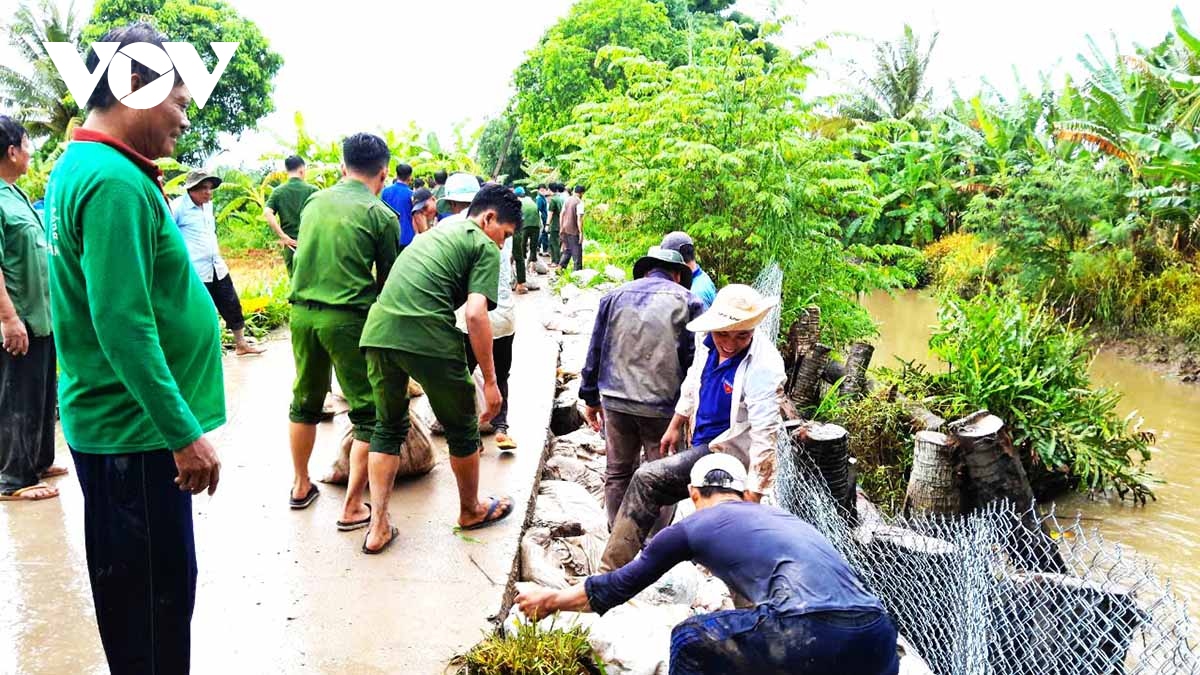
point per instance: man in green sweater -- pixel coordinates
(348, 233)
(410, 333)
(284, 205)
(526, 237)
(140, 354)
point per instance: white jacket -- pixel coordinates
(755, 423)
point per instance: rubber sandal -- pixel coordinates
(17, 495)
(488, 520)
(381, 549)
(308, 499)
(54, 472)
(352, 525)
(505, 442)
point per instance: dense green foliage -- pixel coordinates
(719, 148)
(243, 96)
(897, 85)
(500, 151)
(1021, 362)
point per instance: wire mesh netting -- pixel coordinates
(1001, 591)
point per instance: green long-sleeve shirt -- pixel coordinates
(137, 335)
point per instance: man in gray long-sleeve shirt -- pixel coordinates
(640, 351)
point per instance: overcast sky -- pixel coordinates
(353, 65)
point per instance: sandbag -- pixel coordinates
(568, 509)
(417, 456)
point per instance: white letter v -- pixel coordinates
(192, 71)
(73, 70)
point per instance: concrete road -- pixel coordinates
(283, 591)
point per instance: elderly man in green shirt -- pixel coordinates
(348, 233)
(27, 367)
(411, 332)
(284, 205)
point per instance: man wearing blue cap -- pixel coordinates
(805, 610)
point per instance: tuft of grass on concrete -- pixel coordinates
(531, 650)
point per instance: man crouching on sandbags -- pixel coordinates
(809, 614)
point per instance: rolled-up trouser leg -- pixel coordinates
(657, 484)
(627, 439)
(225, 298)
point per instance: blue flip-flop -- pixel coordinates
(487, 517)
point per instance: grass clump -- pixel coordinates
(531, 651)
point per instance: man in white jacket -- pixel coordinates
(731, 394)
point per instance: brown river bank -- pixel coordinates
(1165, 531)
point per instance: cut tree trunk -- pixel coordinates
(828, 447)
(858, 360)
(805, 391)
(802, 335)
(934, 485)
(994, 473)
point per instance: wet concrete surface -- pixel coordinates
(283, 591)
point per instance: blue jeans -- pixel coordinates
(761, 642)
(141, 559)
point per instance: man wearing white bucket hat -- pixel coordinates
(731, 394)
(805, 610)
(460, 188)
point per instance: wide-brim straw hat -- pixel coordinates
(658, 255)
(736, 308)
(195, 178)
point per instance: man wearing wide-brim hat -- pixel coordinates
(640, 350)
(193, 214)
(731, 396)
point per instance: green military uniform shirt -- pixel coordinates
(415, 312)
(530, 217)
(287, 201)
(23, 259)
(556, 208)
(347, 230)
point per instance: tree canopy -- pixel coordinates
(244, 94)
(37, 95)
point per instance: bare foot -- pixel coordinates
(247, 349)
(480, 512)
(521, 290)
(54, 472)
(359, 511)
(32, 493)
(300, 490)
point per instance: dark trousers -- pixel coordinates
(761, 642)
(225, 297)
(141, 559)
(555, 245)
(524, 248)
(572, 250)
(502, 354)
(626, 438)
(653, 490)
(544, 241)
(28, 394)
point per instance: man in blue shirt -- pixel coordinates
(398, 196)
(808, 612)
(702, 284)
(731, 394)
(193, 214)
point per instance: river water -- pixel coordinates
(1166, 531)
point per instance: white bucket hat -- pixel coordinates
(719, 460)
(737, 307)
(461, 187)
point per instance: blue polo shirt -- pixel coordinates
(716, 394)
(703, 287)
(399, 197)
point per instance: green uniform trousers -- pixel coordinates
(450, 389)
(525, 243)
(323, 338)
(555, 245)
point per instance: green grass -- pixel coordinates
(531, 651)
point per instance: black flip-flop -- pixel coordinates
(308, 499)
(352, 525)
(487, 517)
(381, 549)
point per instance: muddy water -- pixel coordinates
(1166, 531)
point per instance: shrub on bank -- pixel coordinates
(532, 650)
